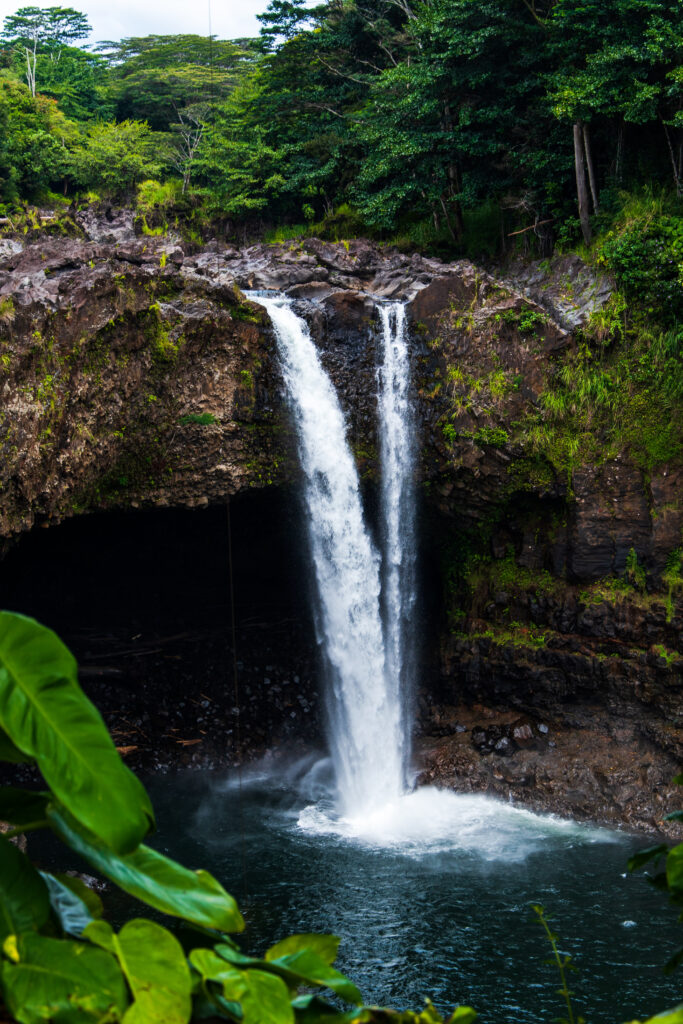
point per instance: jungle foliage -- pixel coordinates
(437, 123)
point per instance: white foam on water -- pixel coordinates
(436, 821)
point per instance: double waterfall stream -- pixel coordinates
(365, 597)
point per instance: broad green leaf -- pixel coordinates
(155, 967)
(24, 899)
(326, 946)
(674, 868)
(71, 911)
(463, 1015)
(310, 969)
(674, 816)
(213, 967)
(154, 879)
(22, 806)
(303, 968)
(265, 999)
(674, 1016)
(263, 996)
(49, 718)
(62, 981)
(84, 893)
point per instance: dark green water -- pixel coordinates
(444, 911)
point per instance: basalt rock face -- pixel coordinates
(125, 380)
(135, 373)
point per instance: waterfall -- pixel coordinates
(367, 728)
(397, 459)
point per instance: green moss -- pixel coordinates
(164, 349)
(666, 653)
(673, 580)
(7, 309)
(202, 418)
(247, 379)
(495, 437)
(516, 634)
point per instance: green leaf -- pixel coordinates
(674, 1016)
(154, 879)
(638, 860)
(22, 806)
(24, 899)
(326, 946)
(61, 981)
(675, 961)
(265, 1000)
(463, 1015)
(71, 911)
(310, 969)
(674, 868)
(49, 718)
(212, 967)
(263, 996)
(674, 816)
(311, 1009)
(302, 968)
(84, 893)
(155, 967)
(9, 752)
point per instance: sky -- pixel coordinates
(114, 19)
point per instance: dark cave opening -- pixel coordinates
(143, 600)
(142, 597)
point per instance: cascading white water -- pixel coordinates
(397, 460)
(367, 735)
(364, 617)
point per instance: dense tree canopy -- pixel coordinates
(516, 114)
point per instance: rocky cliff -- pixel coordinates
(134, 373)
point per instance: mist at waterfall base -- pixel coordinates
(429, 889)
(443, 913)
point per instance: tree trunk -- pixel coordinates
(675, 165)
(581, 190)
(591, 170)
(619, 158)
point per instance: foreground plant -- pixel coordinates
(61, 960)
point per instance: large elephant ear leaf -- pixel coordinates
(154, 879)
(24, 899)
(47, 717)
(155, 967)
(59, 980)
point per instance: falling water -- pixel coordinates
(397, 457)
(367, 731)
(364, 612)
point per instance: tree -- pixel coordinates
(35, 142)
(189, 132)
(154, 77)
(118, 156)
(35, 28)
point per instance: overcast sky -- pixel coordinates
(114, 19)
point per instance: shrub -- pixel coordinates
(646, 257)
